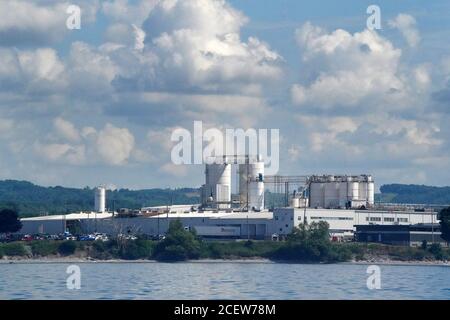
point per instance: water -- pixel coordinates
(221, 280)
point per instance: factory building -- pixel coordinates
(344, 202)
(222, 224)
(407, 235)
(333, 192)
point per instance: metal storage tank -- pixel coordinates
(370, 191)
(363, 189)
(295, 202)
(331, 193)
(316, 194)
(354, 191)
(251, 185)
(100, 199)
(344, 195)
(218, 183)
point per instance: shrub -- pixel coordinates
(178, 245)
(44, 248)
(67, 248)
(14, 249)
(138, 249)
(1, 252)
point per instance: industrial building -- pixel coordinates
(407, 235)
(344, 202)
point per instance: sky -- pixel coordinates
(98, 105)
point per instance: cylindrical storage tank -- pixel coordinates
(256, 196)
(363, 190)
(295, 203)
(371, 193)
(316, 195)
(251, 185)
(331, 194)
(354, 191)
(100, 199)
(243, 183)
(343, 193)
(218, 183)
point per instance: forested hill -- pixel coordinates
(419, 194)
(30, 199)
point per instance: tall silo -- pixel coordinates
(370, 191)
(251, 185)
(218, 184)
(331, 193)
(363, 188)
(100, 199)
(316, 193)
(344, 194)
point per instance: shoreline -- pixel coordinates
(66, 260)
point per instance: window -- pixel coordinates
(299, 218)
(389, 219)
(402, 219)
(287, 226)
(374, 219)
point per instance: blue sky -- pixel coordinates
(99, 105)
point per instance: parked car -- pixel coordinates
(27, 237)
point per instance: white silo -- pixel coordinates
(363, 189)
(370, 191)
(344, 194)
(100, 199)
(354, 191)
(251, 185)
(218, 184)
(316, 193)
(331, 193)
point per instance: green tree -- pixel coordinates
(9, 221)
(67, 248)
(178, 245)
(444, 217)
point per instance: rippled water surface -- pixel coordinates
(222, 280)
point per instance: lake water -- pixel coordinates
(221, 280)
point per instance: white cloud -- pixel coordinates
(126, 12)
(360, 71)
(61, 152)
(406, 24)
(115, 145)
(37, 22)
(34, 70)
(66, 129)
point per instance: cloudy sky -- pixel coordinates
(98, 105)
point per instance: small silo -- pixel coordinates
(100, 199)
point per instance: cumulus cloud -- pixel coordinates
(66, 129)
(31, 70)
(125, 11)
(406, 24)
(115, 144)
(110, 145)
(38, 22)
(356, 71)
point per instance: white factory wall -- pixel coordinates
(254, 225)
